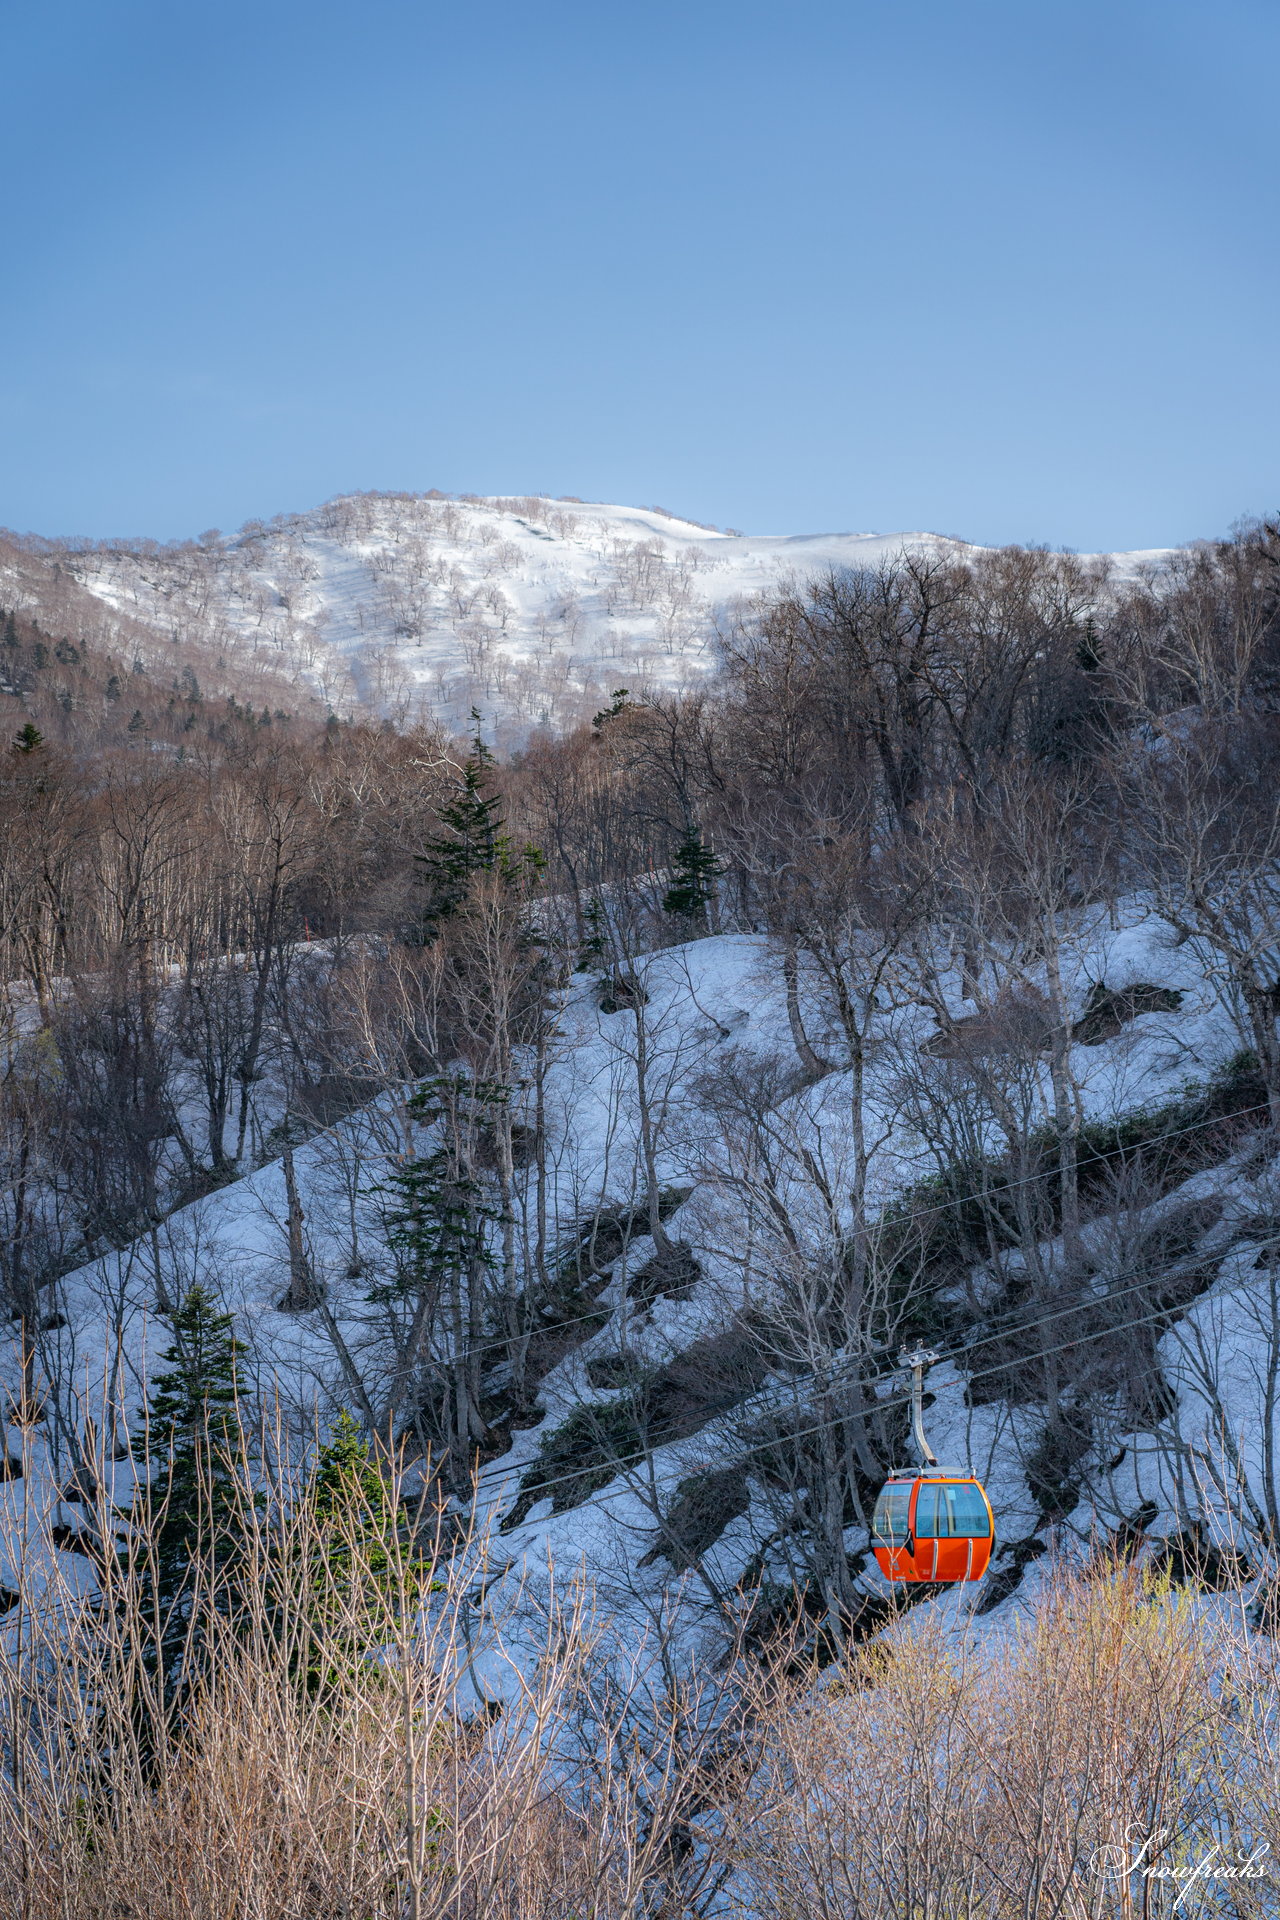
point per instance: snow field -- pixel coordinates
(708, 1002)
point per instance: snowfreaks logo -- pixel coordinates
(1141, 1854)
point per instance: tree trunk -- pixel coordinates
(304, 1288)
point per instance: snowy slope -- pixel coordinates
(532, 609)
(709, 1002)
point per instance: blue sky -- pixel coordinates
(1007, 269)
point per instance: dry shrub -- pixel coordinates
(1120, 1731)
(331, 1767)
(332, 1764)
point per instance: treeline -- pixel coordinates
(928, 785)
(79, 696)
(875, 702)
(82, 667)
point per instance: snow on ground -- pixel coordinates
(710, 1002)
(532, 609)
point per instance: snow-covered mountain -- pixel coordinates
(533, 610)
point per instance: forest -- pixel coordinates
(462, 1204)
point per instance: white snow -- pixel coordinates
(707, 1000)
(534, 610)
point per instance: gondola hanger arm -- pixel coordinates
(917, 1359)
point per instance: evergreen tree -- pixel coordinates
(363, 1573)
(440, 1220)
(29, 739)
(695, 869)
(351, 1581)
(473, 841)
(354, 1513)
(194, 1431)
(593, 953)
(183, 1515)
(620, 700)
(345, 1478)
(441, 1210)
(1089, 651)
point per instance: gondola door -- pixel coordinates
(924, 1529)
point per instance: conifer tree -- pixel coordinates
(353, 1509)
(355, 1528)
(363, 1573)
(28, 739)
(619, 700)
(194, 1431)
(441, 1210)
(345, 1476)
(440, 1220)
(474, 841)
(1089, 651)
(593, 953)
(695, 869)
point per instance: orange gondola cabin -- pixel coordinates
(932, 1526)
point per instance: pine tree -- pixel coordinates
(593, 953)
(441, 1211)
(353, 1511)
(345, 1477)
(29, 739)
(620, 700)
(194, 1430)
(363, 1573)
(1089, 651)
(474, 841)
(440, 1222)
(696, 870)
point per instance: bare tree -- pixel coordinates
(1206, 820)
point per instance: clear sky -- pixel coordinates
(1007, 269)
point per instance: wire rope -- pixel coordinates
(505, 1341)
(887, 1402)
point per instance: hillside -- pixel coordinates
(665, 1436)
(408, 605)
(463, 1210)
(89, 674)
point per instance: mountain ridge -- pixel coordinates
(409, 606)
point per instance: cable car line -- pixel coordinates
(944, 1206)
(1011, 1186)
(902, 1398)
(840, 1376)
